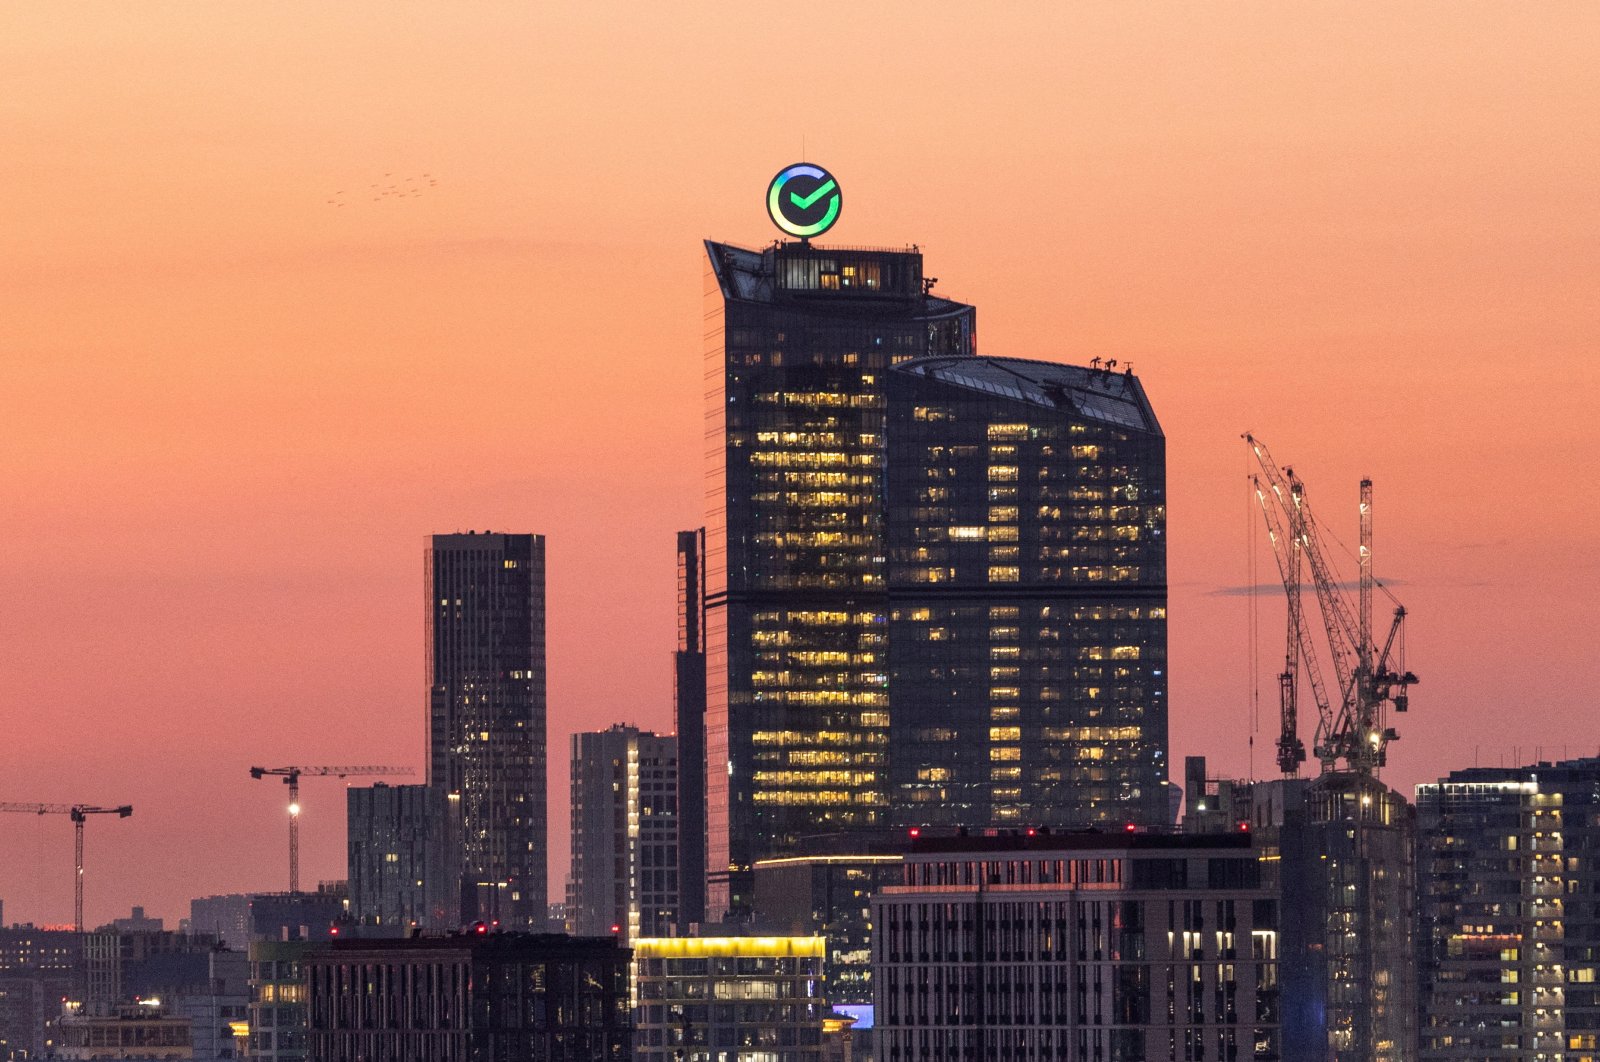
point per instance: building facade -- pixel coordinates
(494, 997)
(729, 999)
(689, 719)
(829, 896)
(1078, 947)
(624, 877)
(486, 716)
(277, 1010)
(1339, 851)
(1508, 887)
(1028, 597)
(403, 843)
(799, 342)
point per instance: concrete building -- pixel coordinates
(404, 842)
(485, 616)
(624, 876)
(1338, 849)
(494, 997)
(1125, 947)
(729, 999)
(1508, 875)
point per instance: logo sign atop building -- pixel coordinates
(804, 200)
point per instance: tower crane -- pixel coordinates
(291, 778)
(80, 814)
(1352, 731)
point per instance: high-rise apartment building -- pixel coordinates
(1081, 947)
(404, 848)
(799, 342)
(1508, 875)
(486, 716)
(624, 879)
(689, 717)
(1338, 850)
(1027, 651)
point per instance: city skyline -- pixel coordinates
(221, 380)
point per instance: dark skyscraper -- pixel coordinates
(403, 850)
(689, 716)
(624, 878)
(1026, 516)
(486, 716)
(799, 341)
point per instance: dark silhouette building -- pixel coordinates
(486, 716)
(404, 855)
(1027, 650)
(689, 716)
(494, 997)
(624, 877)
(799, 342)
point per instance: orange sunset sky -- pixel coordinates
(1369, 232)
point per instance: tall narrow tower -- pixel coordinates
(486, 716)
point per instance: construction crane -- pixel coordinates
(1352, 731)
(291, 778)
(80, 814)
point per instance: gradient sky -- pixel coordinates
(1369, 232)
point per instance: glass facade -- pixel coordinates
(486, 716)
(1027, 582)
(799, 340)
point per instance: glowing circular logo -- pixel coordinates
(804, 200)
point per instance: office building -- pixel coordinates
(1028, 596)
(689, 719)
(1339, 851)
(403, 840)
(624, 877)
(721, 998)
(1508, 875)
(486, 716)
(830, 896)
(1122, 947)
(494, 997)
(799, 342)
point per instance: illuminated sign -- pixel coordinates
(804, 200)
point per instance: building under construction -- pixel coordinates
(1339, 847)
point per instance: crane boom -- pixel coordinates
(80, 814)
(1353, 736)
(291, 777)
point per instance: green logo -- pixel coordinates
(804, 200)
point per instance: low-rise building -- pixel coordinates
(1123, 947)
(487, 997)
(722, 998)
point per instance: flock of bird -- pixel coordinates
(389, 188)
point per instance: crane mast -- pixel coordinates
(1352, 733)
(79, 814)
(291, 778)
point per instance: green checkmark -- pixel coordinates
(803, 204)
